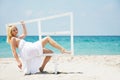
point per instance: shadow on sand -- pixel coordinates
(45, 72)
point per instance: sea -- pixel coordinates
(83, 45)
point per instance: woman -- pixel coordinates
(31, 61)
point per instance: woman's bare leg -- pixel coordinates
(47, 58)
(53, 43)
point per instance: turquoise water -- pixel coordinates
(83, 45)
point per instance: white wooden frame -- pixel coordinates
(70, 32)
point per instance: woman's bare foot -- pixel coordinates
(41, 69)
(65, 51)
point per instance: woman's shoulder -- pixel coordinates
(14, 39)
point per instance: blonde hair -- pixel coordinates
(9, 32)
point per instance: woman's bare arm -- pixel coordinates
(13, 47)
(24, 30)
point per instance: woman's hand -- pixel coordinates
(24, 33)
(22, 22)
(20, 65)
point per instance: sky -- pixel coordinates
(91, 17)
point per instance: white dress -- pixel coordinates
(30, 54)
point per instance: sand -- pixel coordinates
(84, 67)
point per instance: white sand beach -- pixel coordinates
(93, 67)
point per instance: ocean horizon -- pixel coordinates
(83, 45)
